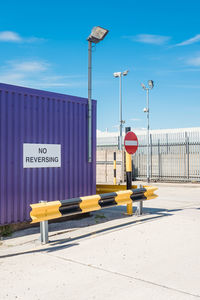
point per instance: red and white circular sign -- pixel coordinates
(131, 142)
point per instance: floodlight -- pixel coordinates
(125, 72)
(117, 74)
(151, 83)
(98, 34)
(120, 75)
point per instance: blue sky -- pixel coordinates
(43, 45)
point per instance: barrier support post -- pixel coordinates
(114, 168)
(139, 210)
(129, 180)
(44, 230)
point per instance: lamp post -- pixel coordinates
(146, 110)
(121, 122)
(98, 34)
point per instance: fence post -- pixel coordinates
(106, 159)
(114, 168)
(151, 154)
(44, 230)
(188, 158)
(159, 163)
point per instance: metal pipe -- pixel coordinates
(89, 101)
(120, 111)
(114, 168)
(44, 230)
(147, 135)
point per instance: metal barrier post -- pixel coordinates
(139, 209)
(44, 230)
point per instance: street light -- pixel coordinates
(120, 74)
(98, 34)
(146, 110)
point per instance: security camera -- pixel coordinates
(145, 110)
(151, 83)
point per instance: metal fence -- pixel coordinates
(173, 157)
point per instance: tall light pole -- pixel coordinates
(146, 110)
(121, 122)
(98, 34)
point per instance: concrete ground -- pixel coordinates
(111, 255)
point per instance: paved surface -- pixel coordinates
(111, 255)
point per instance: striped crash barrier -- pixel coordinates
(56, 209)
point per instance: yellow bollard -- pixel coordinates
(129, 208)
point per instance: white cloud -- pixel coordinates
(149, 39)
(135, 120)
(11, 36)
(194, 61)
(29, 66)
(38, 74)
(193, 40)
(185, 86)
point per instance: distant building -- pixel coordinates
(109, 139)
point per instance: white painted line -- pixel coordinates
(131, 143)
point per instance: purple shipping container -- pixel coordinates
(55, 125)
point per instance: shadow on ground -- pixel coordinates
(88, 219)
(60, 244)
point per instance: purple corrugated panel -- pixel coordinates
(39, 117)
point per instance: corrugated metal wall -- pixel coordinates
(39, 117)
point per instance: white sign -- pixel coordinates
(41, 156)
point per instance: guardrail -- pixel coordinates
(44, 211)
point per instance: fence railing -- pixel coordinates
(173, 157)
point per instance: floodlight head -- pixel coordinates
(117, 74)
(125, 72)
(98, 34)
(150, 83)
(143, 86)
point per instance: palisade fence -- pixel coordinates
(172, 157)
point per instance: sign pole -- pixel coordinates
(128, 171)
(131, 146)
(129, 175)
(128, 166)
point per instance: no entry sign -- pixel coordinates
(131, 142)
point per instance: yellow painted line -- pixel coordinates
(45, 211)
(123, 197)
(90, 203)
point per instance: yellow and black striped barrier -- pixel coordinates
(56, 209)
